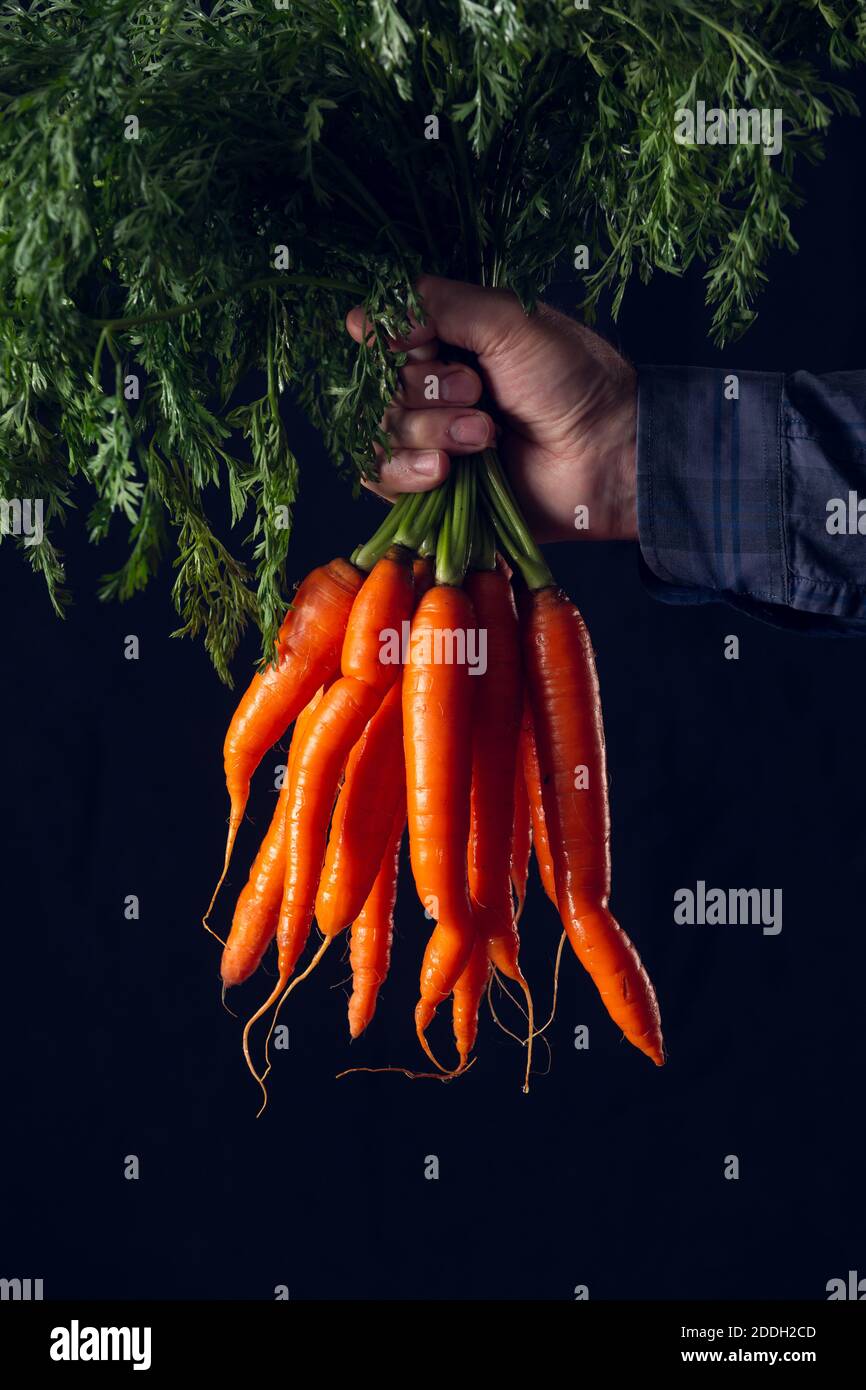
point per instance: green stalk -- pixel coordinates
(510, 524)
(483, 556)
(455, 535)
(414, 516)
(501, 502)
(366, 556)
(443, 540)
(420, 521)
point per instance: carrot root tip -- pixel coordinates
(425, 1012)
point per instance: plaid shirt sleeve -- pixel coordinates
(748, 492)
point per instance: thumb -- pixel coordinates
(469, 316)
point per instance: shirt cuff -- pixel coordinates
(709, 480)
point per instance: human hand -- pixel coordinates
(565, 401)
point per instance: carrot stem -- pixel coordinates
(483, 556)
(512, 528)
(418, 522)
(455, 535)
(413, 516)
(365, 556)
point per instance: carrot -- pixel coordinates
(374, 785)
(521, 828)
(437, 738)
(495, 731)
(468, 993)
(425, 577)
(521, 837)
(566, 711)
(384, 602)
(532, 782)
(308, 655)
(373, 931)
(362, 825)
(497, 713)
(258, 906)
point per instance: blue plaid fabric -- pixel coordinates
(736, 471)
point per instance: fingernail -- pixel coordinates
(426, 464)
(457, 387)
(469, 429)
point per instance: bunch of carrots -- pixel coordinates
(480, 764)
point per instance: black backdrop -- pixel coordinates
(610, 1173)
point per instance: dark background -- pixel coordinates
(610, 1173)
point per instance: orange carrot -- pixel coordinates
(437, 738)
(424, 571)
(496, 727)
(495, 730)
(373, 931)
(468, 993)
(532, 782)
(384, 602)
(308, 655)
(566, 712)
(374, 784)
(361, 828)
(258, 906)
(521, 837)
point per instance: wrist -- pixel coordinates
(616, 455)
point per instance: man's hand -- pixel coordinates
(565, 403)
